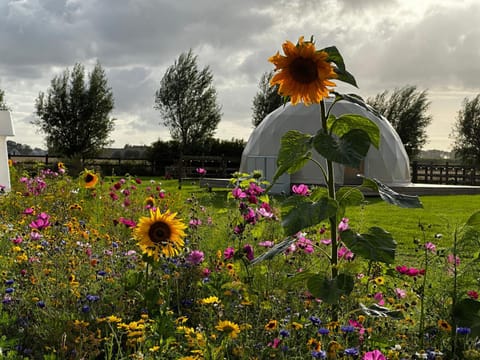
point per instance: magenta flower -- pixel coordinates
(430, 247)
(28, 211)
(201, 171)
(196, 257)
(453, 259)
(472, 294)
(127, 222)
(400, 293)
(344, 253)
(238, 193)
(305, 244)
(248, 249)
(228, 253)
(194, 223)
(379, 298)
(301, 189)
(374, 355)
(41, 222)
(343, 225)
(267, 244)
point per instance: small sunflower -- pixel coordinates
(149, 202)
(229, 328)
(271, 325)
(89, 179)
(380, 280)
(160, 234)
(444, 325)
(303, 73)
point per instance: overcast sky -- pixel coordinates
(386, 44)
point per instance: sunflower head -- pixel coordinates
(161, 234)
(228, 327)
(89, 179)
(303, 73)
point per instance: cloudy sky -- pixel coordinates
(386, 44)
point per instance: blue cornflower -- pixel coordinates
(351, 351)
(85, 308)
(9, 290)
(284, 333)
(315, 320)
(93, 297)
(347, 329)
(319, 354)
(101, 272)
(41, 304)
(463, 330)
(9, 281)
(323, 331)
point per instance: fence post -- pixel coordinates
(414, 171)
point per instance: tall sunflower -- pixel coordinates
(228, 327)
(303, 73)
(160, 234)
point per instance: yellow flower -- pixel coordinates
(89, 179)
(379, 280)
(271, 325)
(296, 325)
(149, 202)
(160, 234)
(10, 162)
(444, 325)
(209, 300)
(303, 73)
(61, 165)
(229, 328)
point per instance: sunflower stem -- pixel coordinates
(333, 219)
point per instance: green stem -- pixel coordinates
(332, 219)
(454, 294)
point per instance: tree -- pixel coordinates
(3, 104)
(75, 115)
(187, 101)
(406, 109)
(266, 100)
(466, 132)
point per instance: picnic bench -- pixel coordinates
(209, 183)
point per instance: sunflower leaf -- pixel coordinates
(295, 151)
(343, 124)
(334, 56)
(330, 290)
(275, 250)
(358, 100)
(376, 245)
(349, 149)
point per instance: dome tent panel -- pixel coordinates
(389, 163)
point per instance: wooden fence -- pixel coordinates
(446, 174)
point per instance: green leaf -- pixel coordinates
(348, 122)
(474, 221)
(356, 99)
(330, 290)
(392, 197)
(348, 196)
(295, 151)
(369, 184)
(299, 212)
(335, 57)
(350, 149)
(376, 245)
(274, 251)
(467, 314)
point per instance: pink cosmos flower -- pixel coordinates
(400, 293)
(28, 211)
(326, 241)
(374, 355)
(196, 257)
(238, 193)
(201, 171)
(305, 245)
(228, 253)
(344, 253)
(472, 294)
(127, 222)
(379, 297)
(343, 225)
(453, 259)
(267, 244)
(301, 189)
(248, 249)
(194, 223)
(41, 222)
(430, 247)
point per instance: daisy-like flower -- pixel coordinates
(160, 234)
(209, 300)
(149, 202)
(229, 328)
(303, 73)
(89, 179)
(271, 325)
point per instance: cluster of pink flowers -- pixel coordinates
(34, 186)
(41, 222)
(410, 271)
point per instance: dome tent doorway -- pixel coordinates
(388, 164)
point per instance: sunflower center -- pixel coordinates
(89, 178)
(159, 232)
(303, 70)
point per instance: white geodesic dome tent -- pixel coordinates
(389, 163)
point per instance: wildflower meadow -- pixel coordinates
(96, 267)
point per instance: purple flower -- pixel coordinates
(41, 222)
(248, 249)
(343, 225)
(228, 253)
(319, 354)
(463, 330)
(301, 189)
(351, 352)
(374, 355)
(238, 193)
(430, 247)
(195, 257)
(201, 171)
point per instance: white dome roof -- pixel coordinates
(389, 163)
